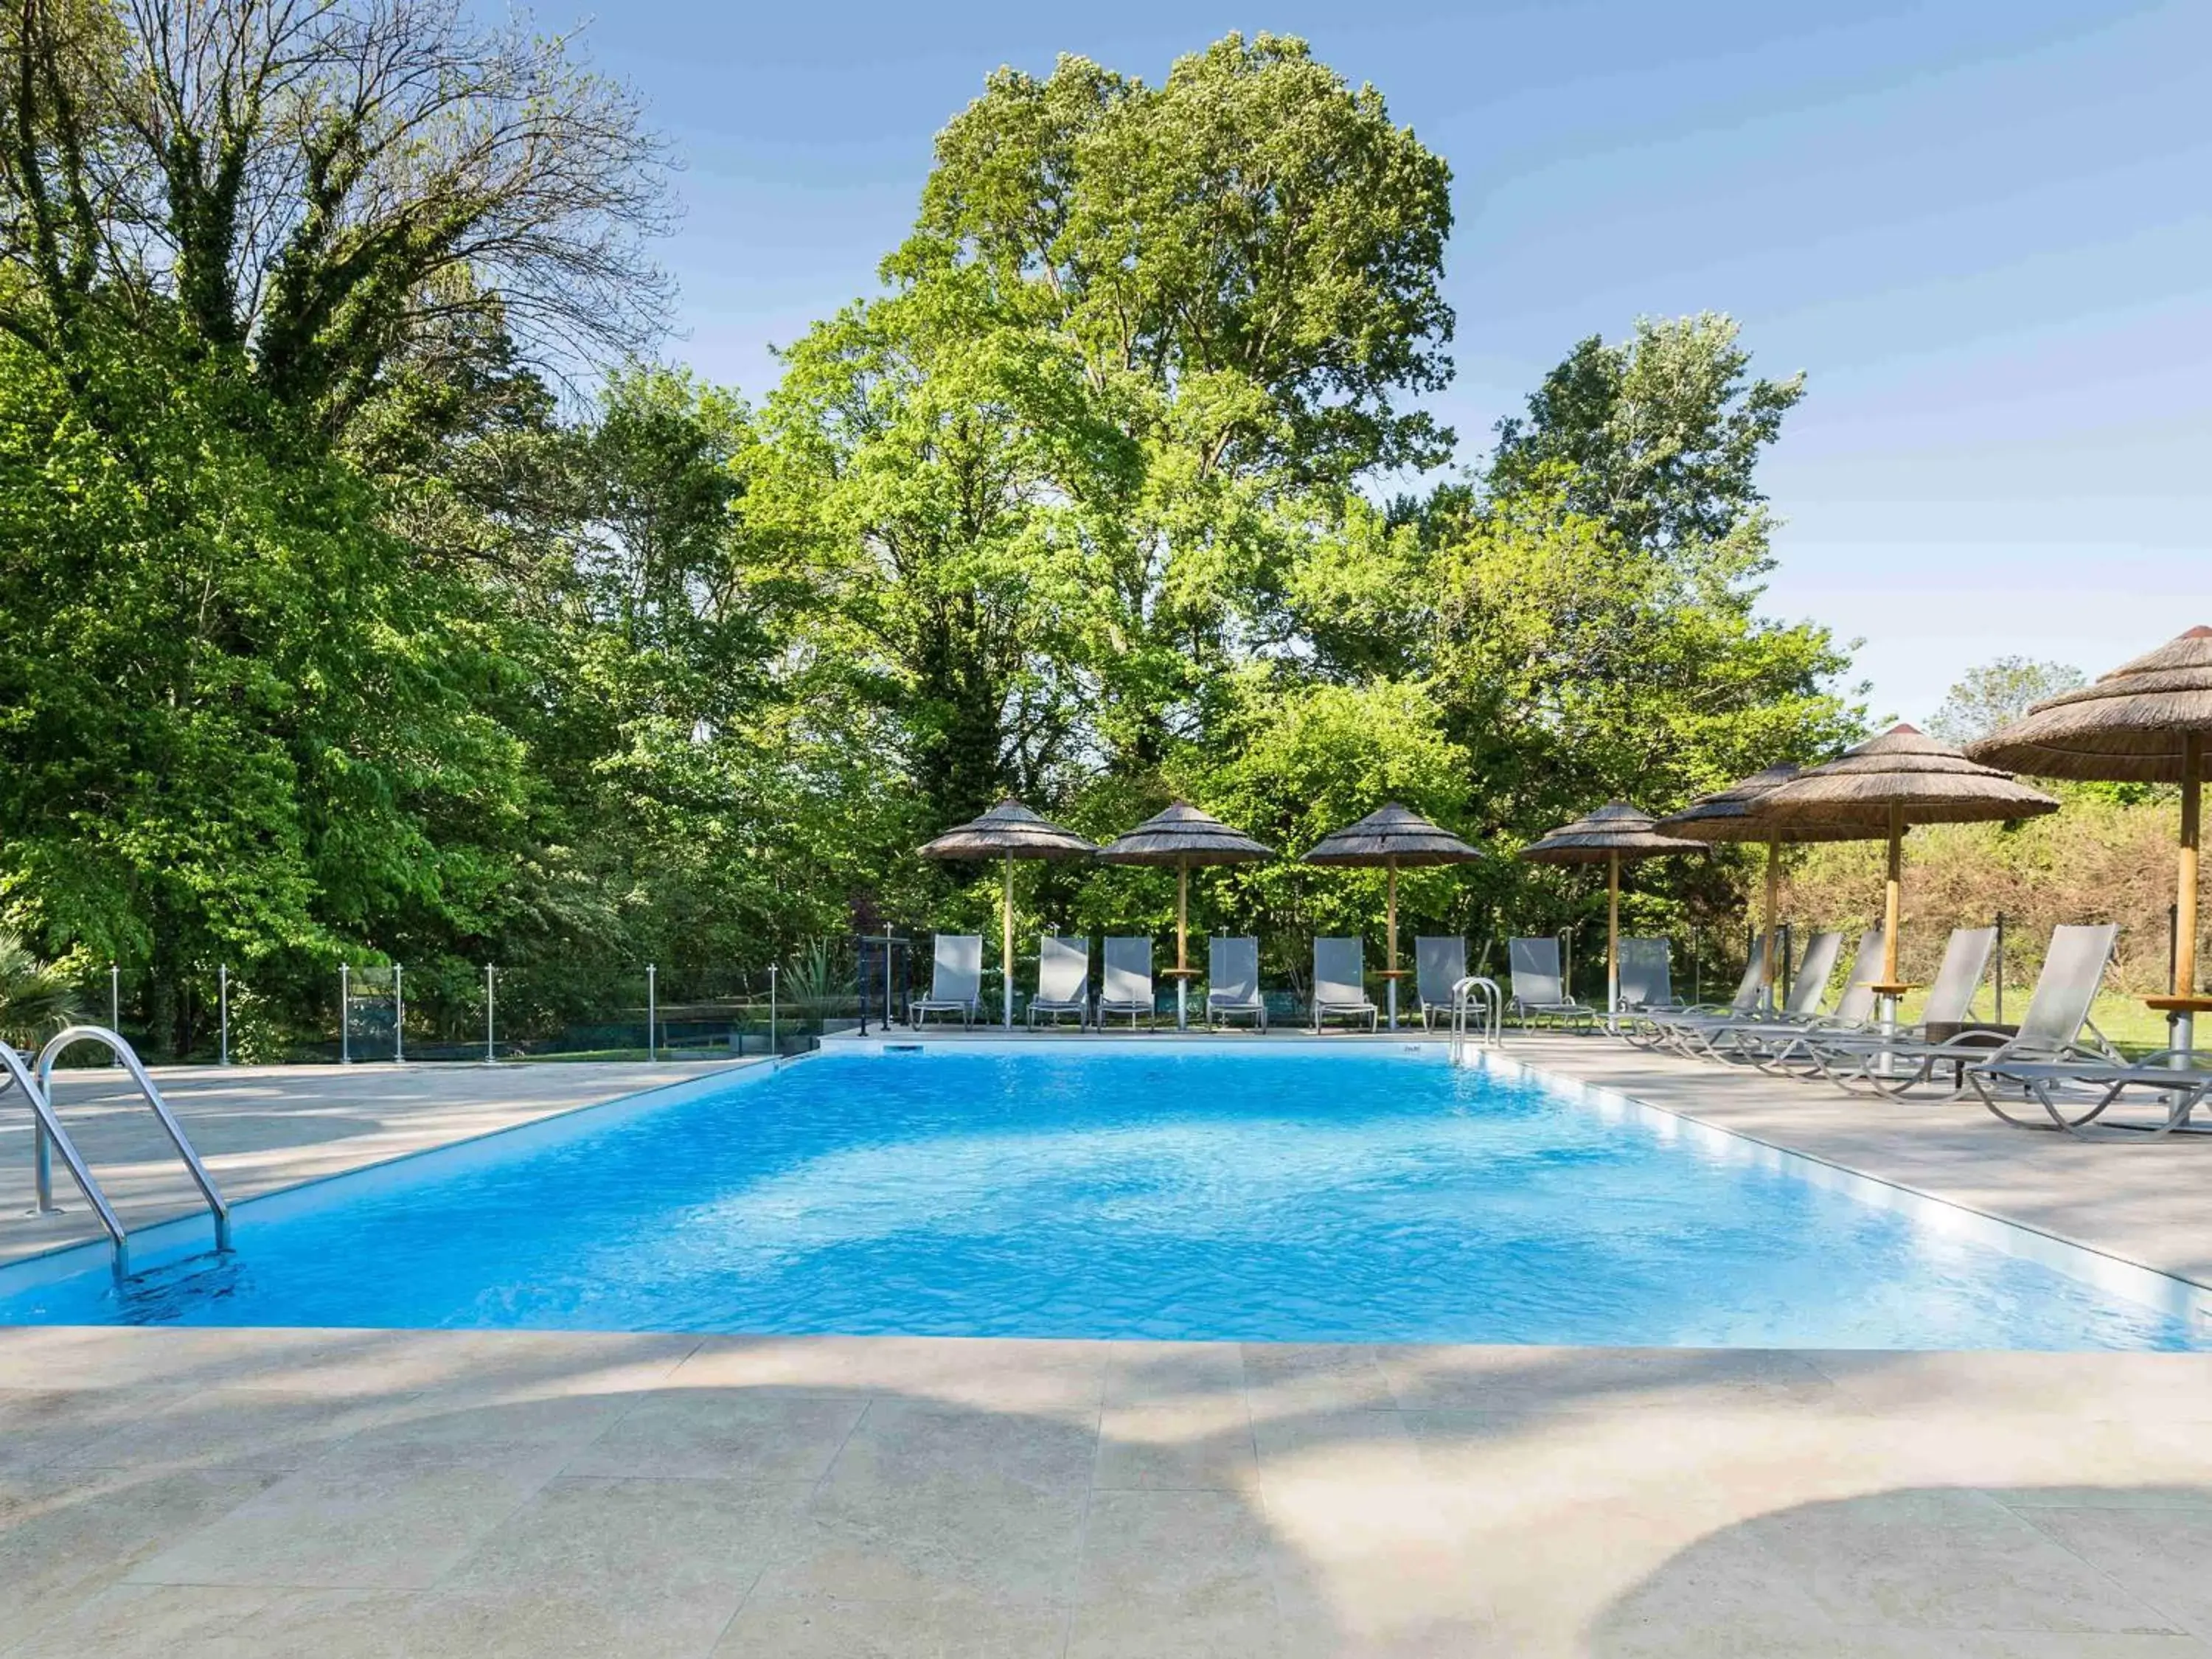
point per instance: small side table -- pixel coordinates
(2180, 1013)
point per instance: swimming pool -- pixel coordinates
(1155, 1188)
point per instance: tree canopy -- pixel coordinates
(345, 615)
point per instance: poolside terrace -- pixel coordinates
(217, 1492)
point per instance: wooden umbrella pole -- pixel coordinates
(1182, 915)
(1006, 945)
(1613, 933)
(1391, 979)
(2182, 1030)
(1892, 894)
(1182, 943)
(2184, 945)
(1773, 905)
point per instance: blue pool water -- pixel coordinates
(1140, 1188)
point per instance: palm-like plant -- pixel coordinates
(35, 999)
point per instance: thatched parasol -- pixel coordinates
(1615, 831)
(1733, 814)
(2144, 722)
(1008, 832)
(1885, 786)
(1183, 836)
(1394, 837)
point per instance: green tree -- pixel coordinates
(1998, 692)
(1660, 435)
(312, 189)
(36, 997)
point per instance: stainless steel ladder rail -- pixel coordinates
(1476, 995)
(49, 1134)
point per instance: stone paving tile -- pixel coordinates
(902, 1444)
(233, 1428)
(1175, 1573)
(543, 1434)
(721, 1432)
(828, 1627)
(1555, 1379)
(200, 1621)
(40, 1425)
(1184, 1443)
(1035, 1378)
(338, 1527)
(66, 1537)
(1149, 1373)
(2157, 1555)
(981, 1540)
(1292, 1377)
(1948, 1560)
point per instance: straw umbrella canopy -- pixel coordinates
(1008, 832)
(1186, 838)
(1885, 786)
(1394, 838)
(1615, 831)
(2145, 722)
(1734, 814)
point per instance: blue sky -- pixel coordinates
(1983, 229)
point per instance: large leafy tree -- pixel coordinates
(309, 187)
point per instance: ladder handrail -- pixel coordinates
(1476, 995)
(50, 1122)
(48, 1131)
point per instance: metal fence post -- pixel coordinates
(398, 1017)
(345, 1017)
(771, 1010)
(222, 1017)
(652, 1022)
(491, 1050)
(2000, 1013)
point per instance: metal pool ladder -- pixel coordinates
(36, 1082)
(1477, 999)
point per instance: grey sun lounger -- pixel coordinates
(1764, 1043)
(1539, 992)
(1847, 1056)
(2075, 1094)
(1709, 1036)
(1340, 988)
(1232, 982)
(1063, 980)
(2049, 1031)
(1653, 1027)
(1129, 989)
(1646, 976)
(956, 981)
(1439, 963)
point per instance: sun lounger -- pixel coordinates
(1063, 980)
(1129, 989)
(956, 981)
(1232, 982)
(2074, 1094)
(1539, 992)
(1650, 1028)
(1439, 965)
(1715, 1038)
(1845, 1056)
(2049, 1031)
(1646, 976)
(1765, 1043)
(1340, 982)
